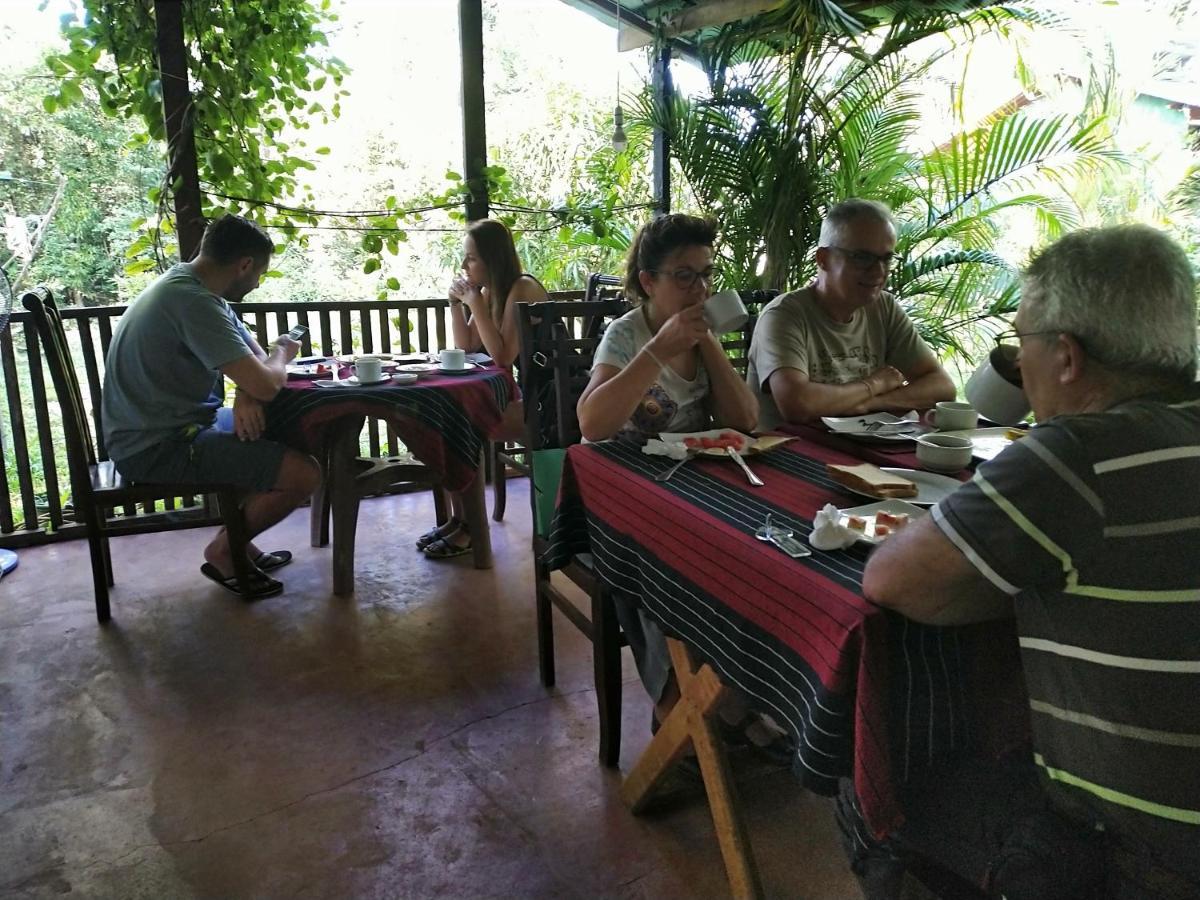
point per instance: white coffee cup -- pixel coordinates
(951, 415)
(368, 369)
(453, 359)
(995, 388)
(725, 312)
(943, 452)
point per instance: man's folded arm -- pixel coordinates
(800, 400)
(927, 384)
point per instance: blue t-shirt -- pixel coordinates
(162, 373)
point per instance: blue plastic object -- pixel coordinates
(8, 561)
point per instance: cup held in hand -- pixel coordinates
(368, 369)
(725, 312)
(453, 359)
(943, 452)
(951, 415)
(995, 388)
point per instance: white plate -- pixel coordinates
(306, 370)
(931, 487)
(353, 379)
(988, 442)
(330, 383)
(678, 437)
(419, 368)
(892, 428)
(465, 370)
(868, 512)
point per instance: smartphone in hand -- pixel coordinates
(298, 333)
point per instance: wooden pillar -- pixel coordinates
(660, 84)
(177, 117)
(470, 37)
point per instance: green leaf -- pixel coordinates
(371, 265)
(393, 284)
(323, 151)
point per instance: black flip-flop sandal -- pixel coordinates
(438, 532)
(261, 585)
(276, 559)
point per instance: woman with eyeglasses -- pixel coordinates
(659, 368)
(483, 317)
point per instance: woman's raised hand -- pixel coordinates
(459, 288)
(679, 333)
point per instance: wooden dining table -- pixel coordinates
(863, 692)
(443, 420)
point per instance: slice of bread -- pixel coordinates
(872, 480)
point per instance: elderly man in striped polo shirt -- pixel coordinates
(1087, 530)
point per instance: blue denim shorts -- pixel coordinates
(207, 456)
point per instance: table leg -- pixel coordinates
(318, 510)
(700, 693)
(343, 501)
(475, 508)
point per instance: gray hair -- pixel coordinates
(1126, 293)
(840, 216)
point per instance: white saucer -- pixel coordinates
(469, 367)
(405, 378)
(330, 383)
(418, 368)
(353, 379)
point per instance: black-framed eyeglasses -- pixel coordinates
(864, 260)
(1012, 337)
(685, 279)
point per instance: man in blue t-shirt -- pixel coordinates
(164, 386)
(1086, 531)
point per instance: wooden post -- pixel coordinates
(470, 38)
(661, 86)
(177, 116)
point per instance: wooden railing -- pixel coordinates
(35, 498)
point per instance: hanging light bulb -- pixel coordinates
(619, 140)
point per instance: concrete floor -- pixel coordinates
(397, 744)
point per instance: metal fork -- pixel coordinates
(663, 476)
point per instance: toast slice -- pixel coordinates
(872, 480)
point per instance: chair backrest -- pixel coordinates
(601, 286)
(737, 344)
(558, 341)
(81, 451)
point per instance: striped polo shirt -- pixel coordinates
(1092, 524)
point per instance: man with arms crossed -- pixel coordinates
(842, 346)
(1086, 529)
(164, 386)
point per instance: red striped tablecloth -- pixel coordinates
(863, 691)
(442, 419)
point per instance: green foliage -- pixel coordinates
(572, 212)
(254, 70)
(104, 179)
(796, 118)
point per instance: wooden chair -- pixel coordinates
(558, 342)
(96, 485)
(737, 344)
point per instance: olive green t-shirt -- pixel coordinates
(793, 332)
